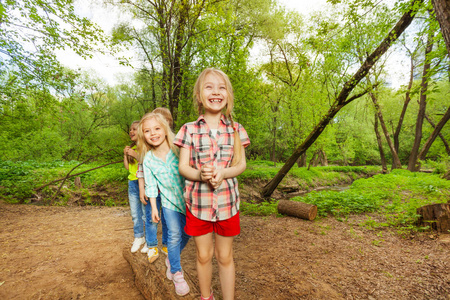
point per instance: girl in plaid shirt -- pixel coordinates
(161, 176)
(211, 156)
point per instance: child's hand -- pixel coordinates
(217, 178)
(206, 172)
(132, 153)
(155, 215)
(125, 150)
(143, 198)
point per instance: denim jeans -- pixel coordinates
(177, 238)
(137, 208)
(151, 228)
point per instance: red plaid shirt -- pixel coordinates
(202, 201)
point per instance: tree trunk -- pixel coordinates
(313, 160)
(151, 281)
(412, 163)
(437, 216)
(342, 99)
(301, 162)
(274, 141)
(405, 106)
(442, 10)
(297, 209)
(396, 164)
(380, 146)
(433, 136)
(441, 136)
(323, 158)
(177, 69)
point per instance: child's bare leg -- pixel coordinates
(224, 256)
(205, 251)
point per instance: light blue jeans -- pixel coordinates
(151, 228)
(177, 238)
(137, 208)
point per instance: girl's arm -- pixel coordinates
(142, 196)
(125, 159)
(133, 153)
(141, 182)
(189, 172)
(155, 213)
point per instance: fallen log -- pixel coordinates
(151, 280)
(297, 209)
(437, 216)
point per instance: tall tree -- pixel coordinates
(380, 145)
(442, 10)
(426, 75)
(396, 164)
(343, 98)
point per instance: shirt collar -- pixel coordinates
(201, 120)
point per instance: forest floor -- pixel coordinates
(76, 253)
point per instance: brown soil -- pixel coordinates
(76, 253)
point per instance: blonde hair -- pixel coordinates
(198, 102)
(143, 146)
(131, 159)
(165, 112)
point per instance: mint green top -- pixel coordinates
(164, 177)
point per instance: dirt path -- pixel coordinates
(76, 253)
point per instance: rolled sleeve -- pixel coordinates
(140, 171)
(245, 140)
(151, 185)
(183, 138)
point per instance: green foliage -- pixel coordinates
(395, 197)
(261, 209)
(31, 31)
(19, 179)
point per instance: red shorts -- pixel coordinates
(196, 227)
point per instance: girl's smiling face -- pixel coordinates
(154, 133)
(133, 132)
(214, 93)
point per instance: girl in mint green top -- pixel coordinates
(160, 163)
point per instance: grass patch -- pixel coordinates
(19, 179)
(394, 197)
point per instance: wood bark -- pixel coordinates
(442, 10)
(297, 209)
(441, 136)
(405, 107)
(437, 216)
(380, 145)
(301, 162)
(432, 138)
(412, 162)
(151, 280)
(396, 164)
(323, 158)
(77, 182)
(343, 97)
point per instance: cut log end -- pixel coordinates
(297, 209)
(437, 216)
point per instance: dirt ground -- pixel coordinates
(76, 253)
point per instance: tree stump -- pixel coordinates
(437, 216)
(77, 182)
(151, 280)
(297, 209)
